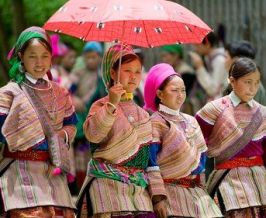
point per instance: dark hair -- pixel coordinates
(211, 38)
(41, 40)
(157, 100)
(241, 49)
(239, 68)
(140, 54)
(125, 59)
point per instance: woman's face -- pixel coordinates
(37, 59)
(169, 58)
(92, 60)
(174, 93)
(246, 86)
(228, 61)
(130, 75)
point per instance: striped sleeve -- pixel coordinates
(205, 127)
(70, 119)
(210, 112)
(99, 122)
(6, 99)
(159, 128)
(156, 183)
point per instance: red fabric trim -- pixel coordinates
(241, 162)
(29, 154)
(186, 182)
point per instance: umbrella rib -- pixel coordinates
(146, 35)
(88, 31)
(123, 31)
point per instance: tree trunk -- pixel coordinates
(3, 51)
(19, 23)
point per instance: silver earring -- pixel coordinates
(21, 67)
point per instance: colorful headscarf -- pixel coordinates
(93, 46)
(58, 48)
(156, 76)
(13, 58)
(111, 56)
(174, 49)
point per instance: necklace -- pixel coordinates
(44, 89)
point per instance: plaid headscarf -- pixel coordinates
(110, 57)
(13, 58)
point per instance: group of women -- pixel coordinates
(146, 162)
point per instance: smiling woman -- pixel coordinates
(37, 122)
(36, 57)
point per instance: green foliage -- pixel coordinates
(36, 13)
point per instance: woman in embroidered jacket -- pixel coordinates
(235, 130)
(30, 186)
(177, 151)
(120, 132)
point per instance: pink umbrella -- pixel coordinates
(145, 23)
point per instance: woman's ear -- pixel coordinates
(159, 94)
(232, 81)
(20, 55)
(113, 75)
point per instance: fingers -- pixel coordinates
(115, 93)
(160, 209)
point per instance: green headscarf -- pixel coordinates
(174, 49)
(15, 71)
(110, 57)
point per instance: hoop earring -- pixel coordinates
(21, 67)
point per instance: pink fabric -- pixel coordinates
(146, 23)
(58, 48)
(254, 148)
(154, 79)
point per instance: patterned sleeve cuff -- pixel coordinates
(156, 183)
(153, 168)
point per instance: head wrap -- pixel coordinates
(13, 57)
(156, 76)
(174, 49)
(58, 48)
(111, 56)
(93, 46)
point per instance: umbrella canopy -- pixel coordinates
(145, 23)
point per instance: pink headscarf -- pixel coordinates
(156, 76)
(58, 48)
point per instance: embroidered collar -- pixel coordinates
(168, 110)
(33, 80)
(127, 97)
(236, 100)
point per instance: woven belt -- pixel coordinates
(241, 162)
(186, 182)
(32, 155)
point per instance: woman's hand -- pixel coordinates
(115, 93)
(160, 209)
(196, 60)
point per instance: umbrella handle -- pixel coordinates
(119, 67)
